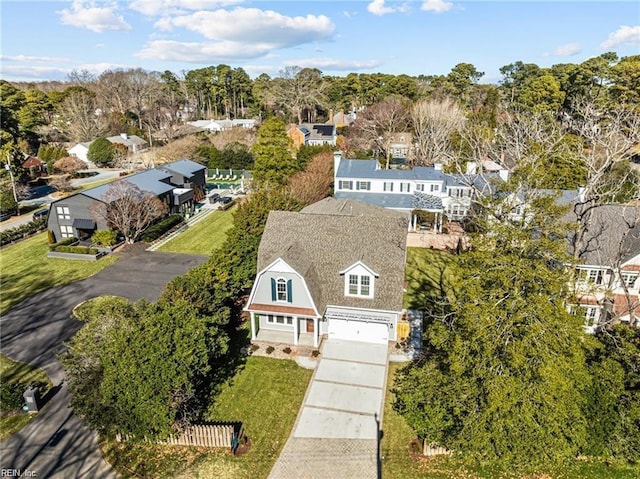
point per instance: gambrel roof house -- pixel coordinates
(173, 183)
(336, 268)
(607, 286)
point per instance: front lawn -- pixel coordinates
(27, 271)
(428, 275)
(397, 464)
(13, 372)
(265, 395)
(204, 237)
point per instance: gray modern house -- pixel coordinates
(174, 183)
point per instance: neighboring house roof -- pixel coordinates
(609, 237)
(317, 131)
(149, 180)
(383, 200)
(184, 167)
(127, 140)
(318, 245)
(33, 162)
(80, 146)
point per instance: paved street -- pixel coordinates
(336, 435)
(56, 444)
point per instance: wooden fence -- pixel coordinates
(203, 435)
(434, 450)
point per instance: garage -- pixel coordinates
(356, 330)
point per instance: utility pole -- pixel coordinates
(7, 167)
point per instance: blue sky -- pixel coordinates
(45, 40)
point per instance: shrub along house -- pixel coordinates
(71, 216)
(336, 268)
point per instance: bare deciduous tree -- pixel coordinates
(128, 209)
(375, 126)
(434, 121)
(81, 118)
(61, 183)
(69, 164)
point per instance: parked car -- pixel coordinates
(214, 197)
(226, 199)
(40, 214)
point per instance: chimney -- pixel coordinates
(504, 174)
(472, 168)
(337, 157)
(437, 166)
(330, 121)
(124, 135)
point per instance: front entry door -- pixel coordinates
(309, 325)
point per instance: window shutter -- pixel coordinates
(273, 290)
(289, 292)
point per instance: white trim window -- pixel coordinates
(281, 289)
(63, 212)
(281, 320)
(405, 187)
(629, 279)
(359, 285)
(387, 186)
(363, 185)
(435, 188)
(420, 187)
(66, 231)
(591, 275)
(591, 314)
(345, 185)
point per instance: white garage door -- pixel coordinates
(358, 331)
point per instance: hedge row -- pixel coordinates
(64, 242)
(76, 250)
(22, 231)
(161, 227)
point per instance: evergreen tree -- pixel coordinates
(273, 151)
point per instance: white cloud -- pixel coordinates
(335, 65)
(623, 35)
(436, 6)
(31, 59)
(567, 50)
(171, 7)
(47, 72)
(96, 19)
(251, 25)
(379, 8)
(196, 52)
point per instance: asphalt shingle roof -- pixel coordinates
(319, 245)
(184, 167)
(149, 180)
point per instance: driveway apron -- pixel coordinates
(336, 434)
(56, 443)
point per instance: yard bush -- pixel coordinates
(76, 250)
(161, 227)
(11, 396)
(64, 242)
(22, 231)
(104, 237)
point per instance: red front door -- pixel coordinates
(309, 325)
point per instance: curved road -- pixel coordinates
(56, 444)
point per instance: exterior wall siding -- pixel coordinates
(301, 298)
(78, 208)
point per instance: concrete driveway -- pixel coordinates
(56, 444)
(336, 434)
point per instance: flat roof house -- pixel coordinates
(334, 269)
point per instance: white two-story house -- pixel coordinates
(426, 188)
(607, 280)
(334, 269)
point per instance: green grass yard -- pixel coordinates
(203, 237)
(428, 275)
(27, 271)
(265, 395)
(12, 372)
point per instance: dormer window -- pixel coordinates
(281, 290)
(359, 281)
